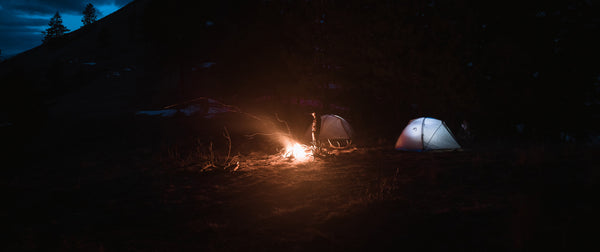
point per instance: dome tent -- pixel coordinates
(426, 133)
(334, 130)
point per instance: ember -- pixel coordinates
(298, 152)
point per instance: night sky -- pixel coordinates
(21, 22)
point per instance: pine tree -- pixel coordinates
(90, 14)
(56, 29)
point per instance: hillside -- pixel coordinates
(459, 61)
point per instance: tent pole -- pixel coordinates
(422, 126)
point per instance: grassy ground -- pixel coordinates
(126, 192)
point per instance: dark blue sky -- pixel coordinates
(22, 21)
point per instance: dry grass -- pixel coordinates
(350, 201)
(202, 156)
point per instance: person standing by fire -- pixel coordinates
(314, 130)
(314, 145)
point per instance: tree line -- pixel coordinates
(57, 29)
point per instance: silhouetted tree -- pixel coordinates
(90, 14)
(56, 29)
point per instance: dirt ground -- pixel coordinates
(108, 186)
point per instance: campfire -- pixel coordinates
(298, 152)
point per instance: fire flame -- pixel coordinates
(297, 151)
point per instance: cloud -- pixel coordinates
(20, 39)
(43, 7)
(11, 20)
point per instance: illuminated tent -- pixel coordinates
(426, 133)
(334, 130)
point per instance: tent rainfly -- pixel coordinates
(426, 133)
(334, 130)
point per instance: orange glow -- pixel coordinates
(297, 151)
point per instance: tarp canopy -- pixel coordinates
(206, 107)
(426, 133)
